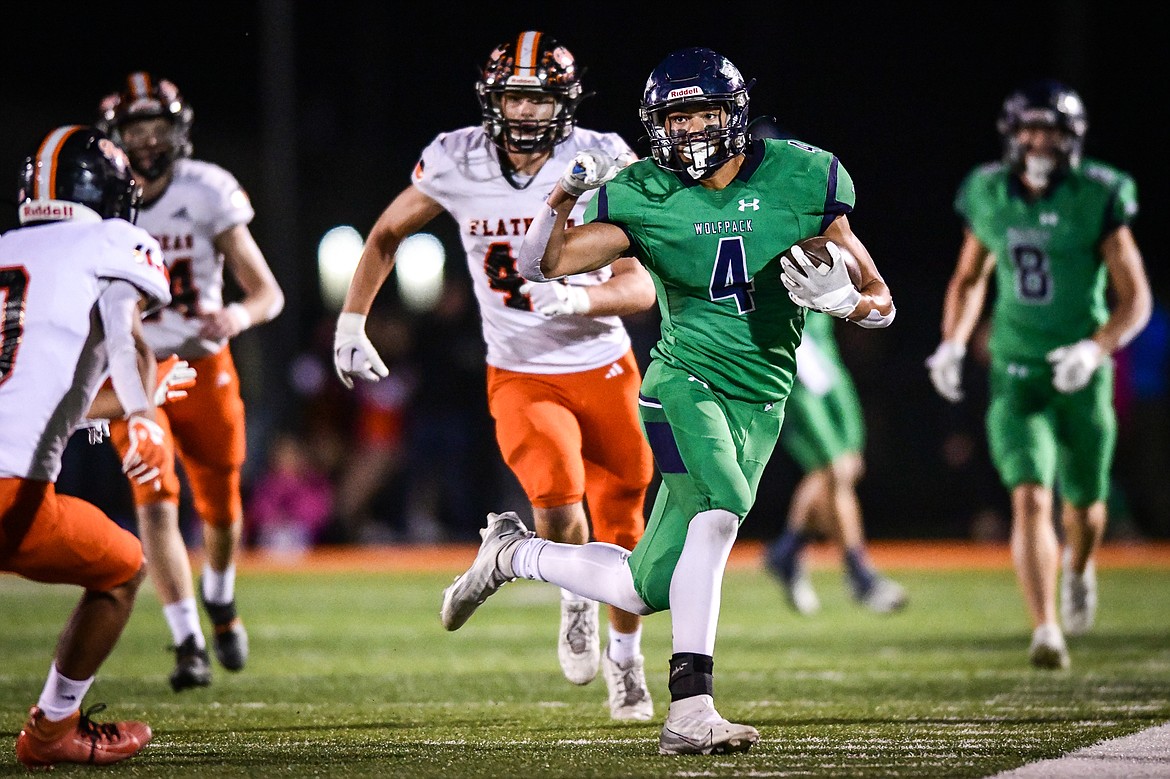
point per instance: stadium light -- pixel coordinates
(338, 253)
(418, 268)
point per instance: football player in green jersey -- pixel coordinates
(1054, 229)
(824, 433)
(708, 215)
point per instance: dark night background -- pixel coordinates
(320, 110)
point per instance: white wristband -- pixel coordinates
(240, 315)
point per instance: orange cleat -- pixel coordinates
(78, 739)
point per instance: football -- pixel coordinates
(817, 253)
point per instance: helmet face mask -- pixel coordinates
(692, 81)
(77, 174)
(1043, 105)
(539, 69)
(145, 98)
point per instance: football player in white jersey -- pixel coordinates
(73, 279)
(562, 378)
(199, 214)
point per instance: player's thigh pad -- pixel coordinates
(1021, 427)
(1087, 431)
(209, 430)
(618, 463)
(538, 435)
(710, 453)
(59, 539)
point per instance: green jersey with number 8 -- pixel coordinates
(1049, 276)
(713, 254)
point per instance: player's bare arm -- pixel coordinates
(966, 290)
(629, 291)
(1131, 288)
(405, 215)
(875, 295)
(263, 299)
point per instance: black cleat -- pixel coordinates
(231, 640)
(192, 666)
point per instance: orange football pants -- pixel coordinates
(60, 539)
(575, 436)
(205, 430)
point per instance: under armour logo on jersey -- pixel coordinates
(1017, 370)
(1049, 219)
(614, 370)
(753, 204)
(182, 213)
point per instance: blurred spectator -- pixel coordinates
(292, 500)
(1143, 416)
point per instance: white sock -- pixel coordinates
(219, 587)
(61, 695)
(596, 571)
(697, 582)
(183, 618)
(624, 647)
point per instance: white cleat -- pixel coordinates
(491, 569)
(629, 697)
(1048, 649)
(801, 595)
(885, 596)
(1078, 597)
(693, 727)
(578, 643)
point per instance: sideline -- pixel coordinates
(1143, 755)
(923, 555)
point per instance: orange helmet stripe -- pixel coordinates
(45, 175)
(527, 51)
(138, 85)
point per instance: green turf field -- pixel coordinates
(352, 675)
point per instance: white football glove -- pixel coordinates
(353, 354)
(825, 288)
(589, 169)
(177, 377)
(556, 299)
(1075, 364)
(946, 369)
(146, 456)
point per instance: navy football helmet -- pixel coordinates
(77, 174)
(145, 97)
(688, 79)
(1044, 103)
(533, 62)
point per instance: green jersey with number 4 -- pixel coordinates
(1049, 276)
(713, 254)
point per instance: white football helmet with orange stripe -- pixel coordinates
(147, 97)
(533, 62)
(77, 174)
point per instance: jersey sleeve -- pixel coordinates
(131, 254)
(840, 194)
(1123, 207)
(230, 204)
(432, 172)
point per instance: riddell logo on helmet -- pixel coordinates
(674, 94)
(42, 210)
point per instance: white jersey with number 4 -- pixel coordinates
(52, 352)
(202, 201)
(461, 171)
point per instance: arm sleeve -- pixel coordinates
(118, 306)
